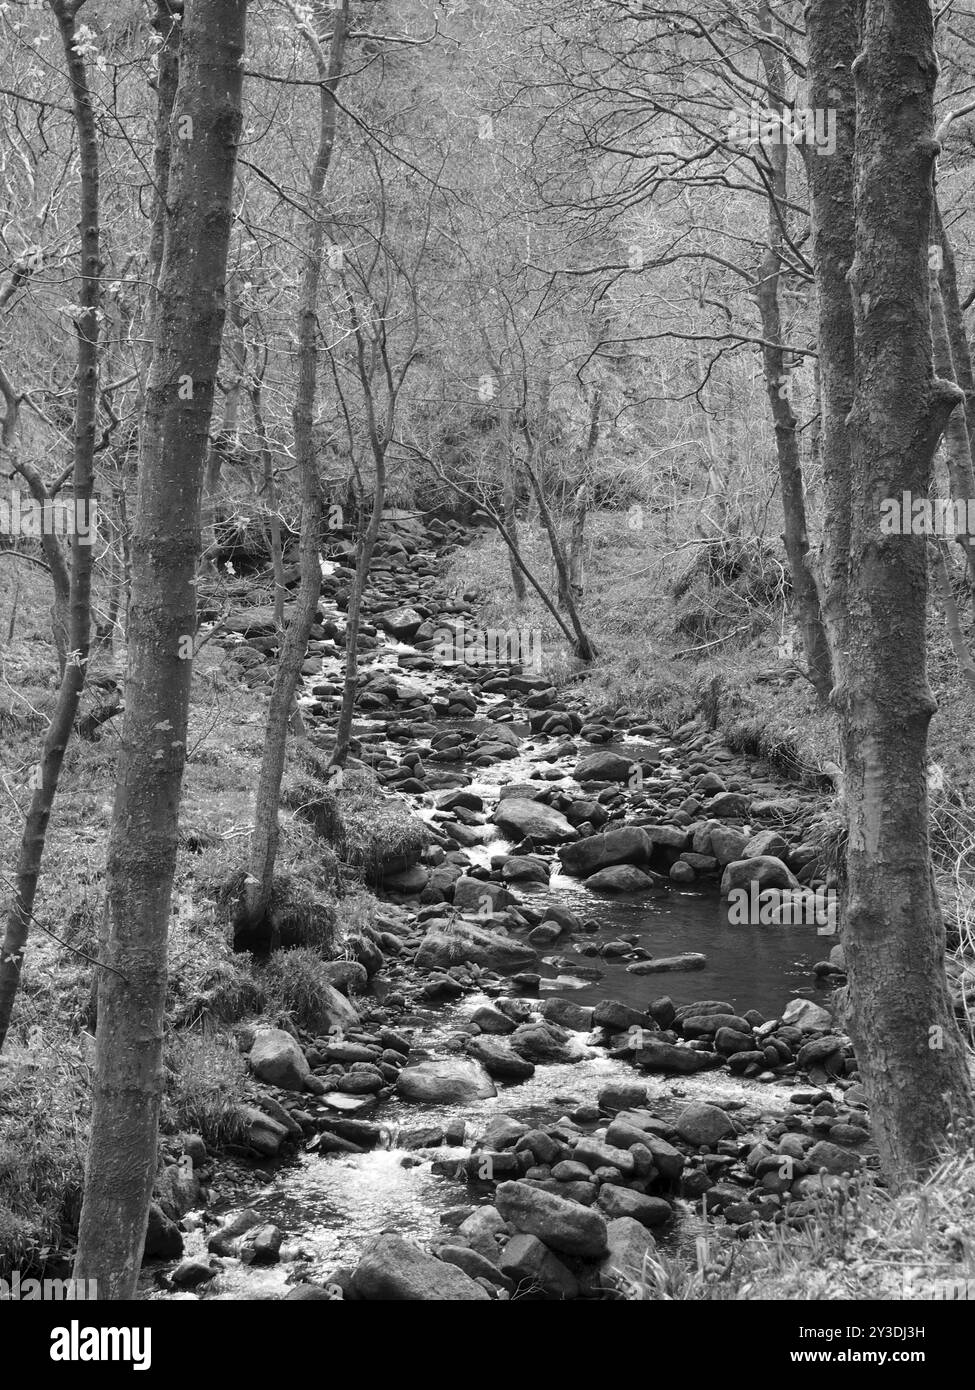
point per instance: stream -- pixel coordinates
(330, 1206)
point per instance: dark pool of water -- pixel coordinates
(750, 967)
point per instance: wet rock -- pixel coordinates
(401, 623)
(622, 878)
(562, 1225)
(311, 1293)
(766, 842)
(491, 1020)
(480, 895)
(703, 1125)
(542, 824)
(706, 1025)
(807, 1016)
(604, 766)
(164, 1240)
(261, 1245)
(689, 960)
(445, 1081)
(393, 1269)
(596, 1154)
(567, 1014)
(464, 942)
(277, 1059)
(656, 1055)
(829, 1156)
(765, 871)
(543, 1042)
(618, 1017)
(525, 868)
(262, 1133)
(474, 1265)
(615, 1098)
(729, 805)
(622, 1201)
(527, 1261)
(544, 934)
(190, 1274)
(725, 844)
(628, 845)
(234, 1227)
(499, 1059)
(629, 1242)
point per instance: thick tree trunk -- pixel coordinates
(794, 536)
(909, 1049)
(77, 601)
(832, 38)
(165, 552)
(264, 841)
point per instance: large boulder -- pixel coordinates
(604, 766)
(543, 824)
(499, 1059)
(480, 895)
(445, 1081)
(531, 1264)
(704, 1125)
(629, 1243)
(807, 1016)
(619, 1202)
(628, 845)
(401, 623)
(544, 1042)
(764, 870)
(465, 943)
(276, 1058)
(562, 1225)
(623, 878)
(657, 1055)
(393, 1269)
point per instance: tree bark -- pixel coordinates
(908, 1046)
(129, 1082)
(264, 841)
(831, 37)
(78, 599)
(795, 537)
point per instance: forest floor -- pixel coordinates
(741, 684)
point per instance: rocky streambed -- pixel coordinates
(552, 1053)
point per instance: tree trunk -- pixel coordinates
(961, 353)
(582, 645)
(129, 1082)
(82, 555)
(264, 841)
(908, 1046)
(831, 36)
(957, 443)
(794, 537)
